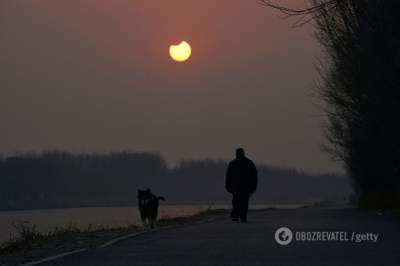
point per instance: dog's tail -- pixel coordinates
(161, 198)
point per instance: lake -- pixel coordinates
(47, 220)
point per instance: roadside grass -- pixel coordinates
(30, 244)
(203, 216)
(30, 238)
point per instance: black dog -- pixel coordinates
(148, 207)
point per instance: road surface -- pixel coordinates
(223, 242)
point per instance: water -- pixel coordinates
(48, 220)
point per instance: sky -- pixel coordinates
(96, 76)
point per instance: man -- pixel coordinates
(241, 181)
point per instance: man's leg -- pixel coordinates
(244, 207)
(235, 207)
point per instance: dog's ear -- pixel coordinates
(161, 198)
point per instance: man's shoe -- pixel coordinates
(235, 219)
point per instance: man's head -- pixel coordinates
(240, 153)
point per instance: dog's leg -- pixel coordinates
(143, 220)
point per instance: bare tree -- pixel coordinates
(310, 12)
(360, 86)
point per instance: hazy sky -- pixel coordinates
(95, 75)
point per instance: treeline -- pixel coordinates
(60, 180)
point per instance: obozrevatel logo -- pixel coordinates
(283, 236)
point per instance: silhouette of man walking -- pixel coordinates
(241, 181)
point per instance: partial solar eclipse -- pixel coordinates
(180, 52)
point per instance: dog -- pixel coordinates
(148, 207)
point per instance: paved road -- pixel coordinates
(223, 242)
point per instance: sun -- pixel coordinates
(180, 52)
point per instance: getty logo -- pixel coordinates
(283, 236)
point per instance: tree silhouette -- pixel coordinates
(360, 85)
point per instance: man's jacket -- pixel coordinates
(241, 176)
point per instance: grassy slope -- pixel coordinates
(32, 245)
